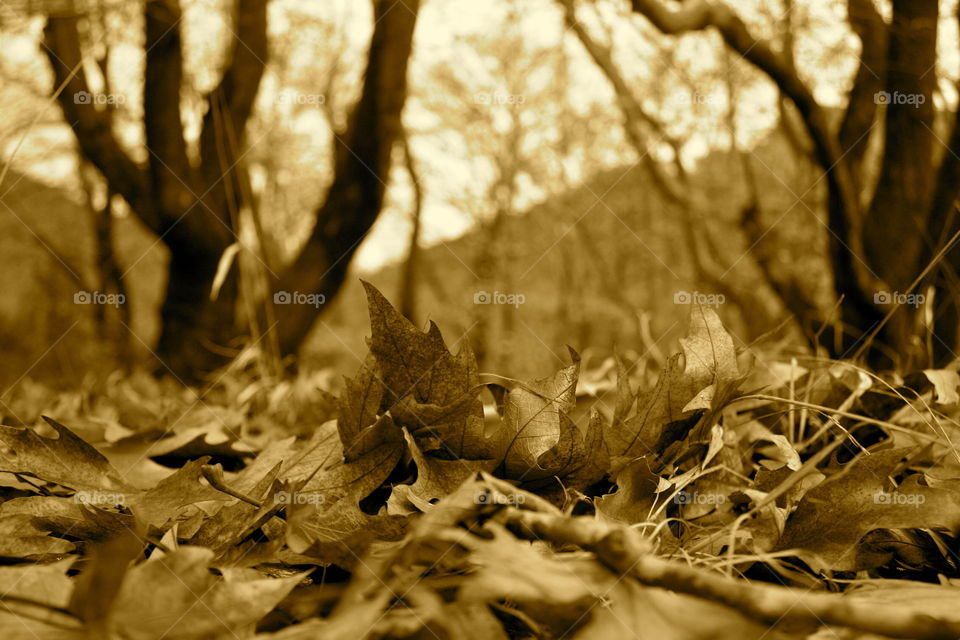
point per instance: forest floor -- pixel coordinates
(725, 494)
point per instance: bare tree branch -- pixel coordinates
(943, 210)
(793, 129)
(633, 113)
(625, 552)
(91, 126)
(677, 190)
(170, 170)
(408, 283)
(362, 160)
(854, 281)
(229, 106)
(871, 75)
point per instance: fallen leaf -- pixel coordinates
(532, 421)
(413, 362)
(67, 460)
(945, 382)
(177, 596)
(687, 385)
(833, 516)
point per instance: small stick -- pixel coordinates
(626, 553)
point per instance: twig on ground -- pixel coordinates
(626, 553)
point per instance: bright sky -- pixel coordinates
(441, 24)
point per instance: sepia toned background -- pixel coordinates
(526, 174)
(434, 319)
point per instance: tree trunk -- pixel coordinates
(362, 168)
(411, 266)
(898, 214)
(882, 255)
(195, 210)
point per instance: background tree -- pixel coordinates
(893, 238)
(191, 198)
(525, 133)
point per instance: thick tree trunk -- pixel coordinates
(196, 330)
(191, 209)
(898, 214)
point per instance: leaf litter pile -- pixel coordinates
(726, 495)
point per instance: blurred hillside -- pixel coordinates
(47, 240)
(597, 266)
(608, 263)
